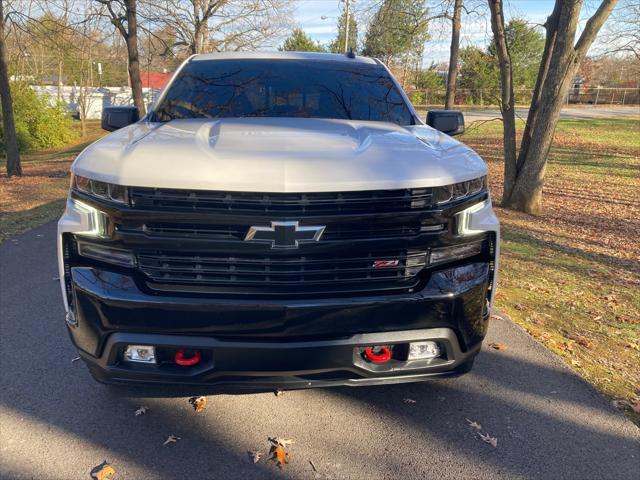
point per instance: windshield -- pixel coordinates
(284, 88)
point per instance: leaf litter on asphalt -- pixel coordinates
(278, 452)
(255, 456)
(497, 346)
(485, 437)
(409, 400)
(142, 410)
(171, 439)
(104, 471)
(283, 442)
(198, 403)
(279, 456)
(474, 424)
(489, 439)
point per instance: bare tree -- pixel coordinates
(8, 124)
(87, 37)
(452, 75)
(622, 34)
(202, 26)
(524, 175)
(507, 105)
(123, 16)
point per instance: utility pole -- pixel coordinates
(346, 27)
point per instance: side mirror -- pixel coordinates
(114, 118)
(450, 122)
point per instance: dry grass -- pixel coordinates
(571, 276)
(38, 196)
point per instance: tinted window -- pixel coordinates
(284, 88)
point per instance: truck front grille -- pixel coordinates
(193, 241)
(284, 272)
(393, 228)
(369, 201)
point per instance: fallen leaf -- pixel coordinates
(580, 340)
(474, 424)
(576, 363)
(489, 439)
(409, 400)
(171, 439)
(73, 360)
(278, 392)
(255, 456)
(567, 347)
(497, 346)
(282, 442)
(142, 410)
(280, 456)
(199, 403)
(104, 471)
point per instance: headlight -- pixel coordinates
(86, 219)
(459, 191)
(98, 189)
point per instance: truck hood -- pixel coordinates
(278, 155)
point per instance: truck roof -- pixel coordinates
(317, 56)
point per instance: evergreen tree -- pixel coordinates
(398, 31)
(526, 44)
(337, 46)
(299, 41)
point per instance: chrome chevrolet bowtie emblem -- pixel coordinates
(284, 234)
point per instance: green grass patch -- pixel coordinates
(571, 276)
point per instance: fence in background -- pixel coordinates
(96, 97)
(100, 97)
(488, 96)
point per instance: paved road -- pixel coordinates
(56, 423)
(571, 112)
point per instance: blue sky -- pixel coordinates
(475, 30)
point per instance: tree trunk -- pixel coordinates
(452, 76)
(134, 62)
(507, 104)
(60, 80)
(560, 62)
(8, 125)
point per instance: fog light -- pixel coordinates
(455, 252)
(423, 350)
(140, 354)
(116, 256)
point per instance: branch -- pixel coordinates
(593, 26)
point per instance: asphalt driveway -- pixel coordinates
(57, 423)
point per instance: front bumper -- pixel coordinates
(278, 343)
(261, 366)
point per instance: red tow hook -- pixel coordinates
(184, 361)
(380, 354)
